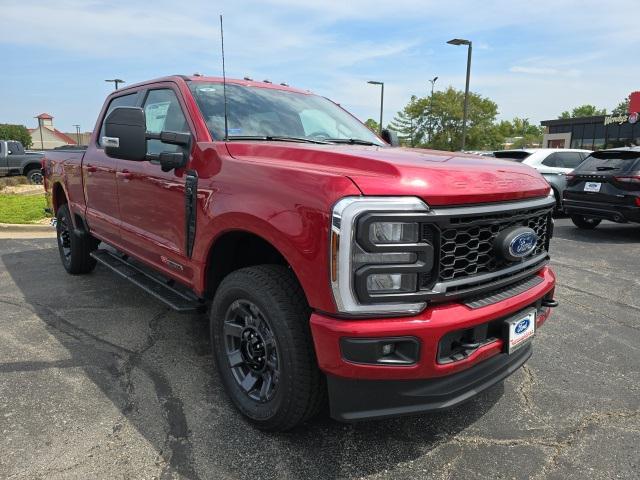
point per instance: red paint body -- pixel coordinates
(284, 193)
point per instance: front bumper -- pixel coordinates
(359, 391)
(606, 211)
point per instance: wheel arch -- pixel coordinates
(239, 248)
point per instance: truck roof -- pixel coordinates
(205, 79)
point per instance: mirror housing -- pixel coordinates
(125, 134)
(170, 160)
(391, 137)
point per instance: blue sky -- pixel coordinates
(535, 59)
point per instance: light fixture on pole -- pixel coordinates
(373, 82)
(116, 82)
(468, 43)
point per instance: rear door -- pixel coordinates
(3, 158)
(607, 177)
(561, 162)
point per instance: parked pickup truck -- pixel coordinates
(15, 161)
(389, 281)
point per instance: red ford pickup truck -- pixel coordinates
(334, 265)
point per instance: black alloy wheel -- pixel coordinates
(251, 350)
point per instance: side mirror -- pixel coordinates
(391, 137)
(125, 134)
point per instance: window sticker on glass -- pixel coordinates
(156, 114)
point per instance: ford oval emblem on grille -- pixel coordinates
(522, 326)
(516, 243)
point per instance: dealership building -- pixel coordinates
(595, 133)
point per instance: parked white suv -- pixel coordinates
(552, 163)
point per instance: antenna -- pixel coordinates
(224, 85)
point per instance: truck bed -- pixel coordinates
(65, 166)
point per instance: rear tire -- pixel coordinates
(263, 348)
(586, 223)
(34, 176)
(75, 248)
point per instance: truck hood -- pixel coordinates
(439, 178)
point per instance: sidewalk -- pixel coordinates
(10, 230)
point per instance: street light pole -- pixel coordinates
(77, 134)
(372, 82)
(40, 129)
(468, 43)
(116, 82)
(433, 82)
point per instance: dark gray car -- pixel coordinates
(15, 161)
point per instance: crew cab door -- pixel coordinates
(152, 202)
(99, 174)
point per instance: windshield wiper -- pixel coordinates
(353, 141)
(276, 138)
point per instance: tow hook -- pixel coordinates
(550, 302)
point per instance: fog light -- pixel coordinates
(392, 282)
(387, 349)
(381, 351)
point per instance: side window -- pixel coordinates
(552, 161)
(124, 101)
(571, 159)
(16, 148)
(163, 113)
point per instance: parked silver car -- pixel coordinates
(552, 163)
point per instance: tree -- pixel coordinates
(583, 111)
(409, 123)
(622, 108)
(373, 125)
(15, 132)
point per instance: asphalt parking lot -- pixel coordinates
(98, 380)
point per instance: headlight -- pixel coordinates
(377, 255)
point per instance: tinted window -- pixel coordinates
(517, 155)
(163, 113)
(569, 159)
(618, 162)
(124, 101)
(552, 161)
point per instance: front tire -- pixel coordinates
(263, 348)
(586, 223)
(75, 249)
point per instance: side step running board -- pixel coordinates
(180, 301)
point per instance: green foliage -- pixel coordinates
(521, 130)
(583, 111)
(15, 132)
(439, 120)
(372, 125)
(622, 108)
(21, 208)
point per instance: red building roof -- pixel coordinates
(63, 137)
(45, 116)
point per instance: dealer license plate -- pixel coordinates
(592, 186)
(522, 328)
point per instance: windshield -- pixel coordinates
(266, 113)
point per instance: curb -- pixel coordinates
(14, 227)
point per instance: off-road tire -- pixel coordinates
(586, 223)
(300, 391)
(75, 247)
